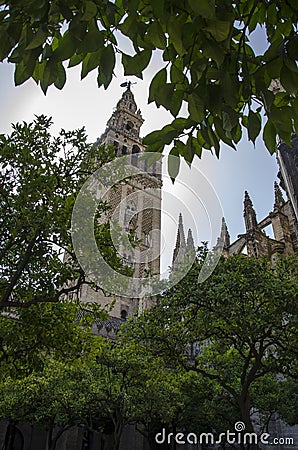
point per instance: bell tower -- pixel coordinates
(123, 127)
(139, 204)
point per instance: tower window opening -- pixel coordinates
(129, 126)
(123, 314)
(124, 150)
(134, 158)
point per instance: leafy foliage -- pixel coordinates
(40, 178)
(101, 386)
(209, 62)
(237, 330)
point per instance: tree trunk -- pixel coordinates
(245, 406)
(9, 436)
(117, 434)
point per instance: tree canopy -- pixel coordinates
(40, 178)
(209, 65)
(237, 330)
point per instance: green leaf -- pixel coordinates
(212, 50)
(152, 138)
(66, 48)
(90, 62)
(61, 77)
(219, 29)
(203, 8)
(164, 96)
(230, 119)
(90, 11)
(289, 80)
(176, 102)
(174, 29)
(158, 82)
(168, 133)
(24, 71)
(92, 41)
(173, 164)
(156, 35)
(176, 73)
(107, 64)
(6, 44)
(193, 147)
(292, 48)
(180, 147)
(135, 65)
(50, 75)
(269, 136)
(75, 60)
(254, 125)
(180, 124)
(196, 108)
(38, 39)
(221, 133)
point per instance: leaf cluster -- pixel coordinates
(210, 65)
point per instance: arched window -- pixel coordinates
(124, 314)
(134, 157)
(130, 211)
(129, 126)
(124, 150)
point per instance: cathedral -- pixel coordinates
(141, 214)
(282, 221)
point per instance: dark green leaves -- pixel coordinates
(219, 29)
(204, 8)
(61, 77)
(289, 79)
(173, 164)
(66, 47)
(269, 136)
(254, 125)
(210, 64)
(135, 65)
(38, 39)
(157, 83)
(196, 107)
(23, 72)
(156, 35)
(90, 10)
(107, 64)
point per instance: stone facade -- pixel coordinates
(139, 212)
(254, 241)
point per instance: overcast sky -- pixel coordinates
(81, 103)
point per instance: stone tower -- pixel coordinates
(139, 211)
(287, 157)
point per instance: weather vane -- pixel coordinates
(127, 84)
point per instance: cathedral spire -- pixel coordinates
(224, 234)
(190, 246)
(180, 247)
(223, 240)
(278, 198)
(250, 217)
